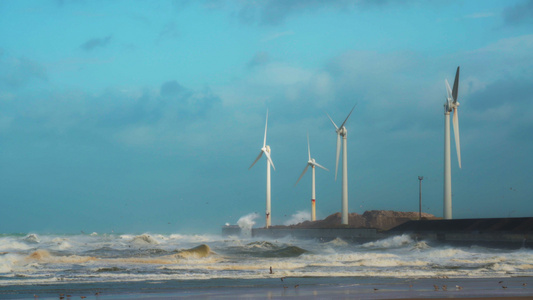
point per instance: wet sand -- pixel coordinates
(275, 288)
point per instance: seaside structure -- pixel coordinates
(343, 132)
(266, 150)
(450, 105)
(311, 162)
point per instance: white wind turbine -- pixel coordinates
(341, 131)
(450, 105)
(266, 150)
(311, 162)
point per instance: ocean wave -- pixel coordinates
(144, 239)
(31, 238)
(196, 252)
(261, 245)
(391, 242)
(337, 242)
(9, 244)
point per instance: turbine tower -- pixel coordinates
(311, 162)
(450, 105)
(266, 150)
(341, 131)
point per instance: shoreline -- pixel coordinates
(273, 288)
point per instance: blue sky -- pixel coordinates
(141, 116)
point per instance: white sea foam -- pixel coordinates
(10, 244)
(31, 238)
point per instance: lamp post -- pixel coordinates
(420, 178)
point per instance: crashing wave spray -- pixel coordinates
(298, 217)
(246, 223)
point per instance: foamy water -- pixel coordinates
(49, 259)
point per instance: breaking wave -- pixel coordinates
(196, 252)
(392, 242)
(144, 239)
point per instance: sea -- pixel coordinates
(170, 266)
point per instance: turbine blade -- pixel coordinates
(338, 153)
(456, 133)
(270, 160)
(308, 147)
(266, 124)
(348, 115)
(336, 128)
(455, 86)
(318, 165)
(305, 170)
(258, 157)
(448, 89)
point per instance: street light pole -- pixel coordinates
(420, 178)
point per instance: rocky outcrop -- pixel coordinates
(378, 219)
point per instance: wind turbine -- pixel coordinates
(341, 131)
(311, 162)
(266, 150)
(450, 105)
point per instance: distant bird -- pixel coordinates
(376, 289)
(271, 270)
(282, 278)
(524, 284)
(444, 288)
(500, 282)
(436, 287)
(296, 286)
(458, 287)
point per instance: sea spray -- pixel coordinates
(299, 217)
(246, 223)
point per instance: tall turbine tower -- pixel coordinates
(341, 131)
(311, 162)
(450, 105)
(266, 150)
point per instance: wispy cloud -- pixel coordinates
(480, 15)
(169, 32)
(260, 58)
(96, 43)
(277, 35)
(17, 72)
(519, 13)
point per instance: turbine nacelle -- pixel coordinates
(450, 105)
(311, 162)
(341, 131)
